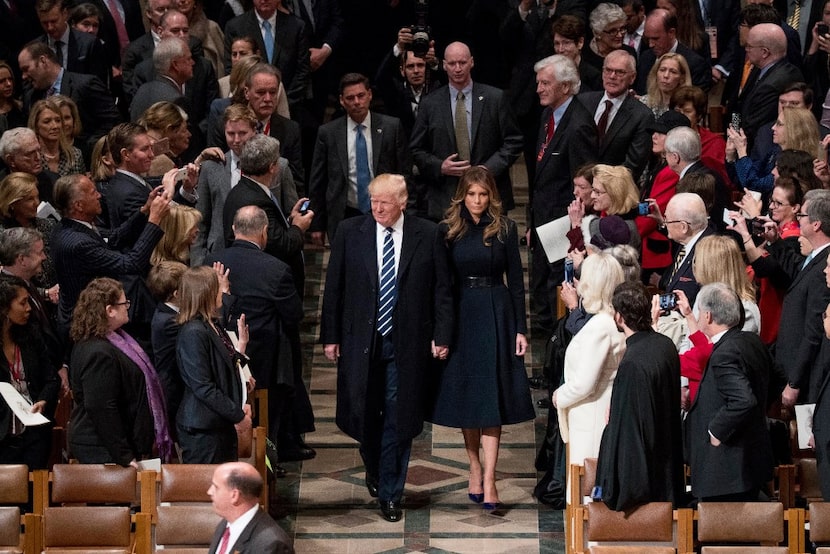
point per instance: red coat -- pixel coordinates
(713, 153)
(656, 245)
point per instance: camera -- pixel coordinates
(420, 30)
(757, 228)
(823, 29)
(668, 301)
(569, 271)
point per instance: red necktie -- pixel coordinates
(549, 128)
(120, 28)
(602, 124)
(223, 544)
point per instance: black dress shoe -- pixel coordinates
(544, 403)
(372, 485)
(391, 510)
(295, 453)
(279, 471)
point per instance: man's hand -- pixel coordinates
(713, 440)
(789, 396)
(319, 56)
(440, 352)
(244, 425)
(521, 344)
(332, 352)
(297, 219)
(243, 334)
(404, 38)
(159, 208)
(716, 75)
(454, 167)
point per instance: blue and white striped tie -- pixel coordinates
(388, 293)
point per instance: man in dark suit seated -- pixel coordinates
(245, 527)
(622, 120)
(342, 169)
(685, 221)
(43, 77)
(286, 46)
(729, 448)
(261, 89)
(444, 144)
(76, 51)
(661, 34)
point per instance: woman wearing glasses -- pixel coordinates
(608, 26)
(119, 413)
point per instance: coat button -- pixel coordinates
(365, 350)
(371, 321)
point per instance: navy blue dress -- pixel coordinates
(484, 383)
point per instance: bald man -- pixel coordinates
(245, 527)
(438, 143)
(766, 49)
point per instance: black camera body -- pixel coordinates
(420, 30)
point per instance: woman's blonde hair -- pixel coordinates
(99, 171)
(718, 260)
(600, 275)
(62, 101)
(89, 320)
(64, 142)
(802, 130)
(173, 245)
(14, 187)
(620, 187)
(163, 117)
(198, 290)
(457, 225)
(655, 97)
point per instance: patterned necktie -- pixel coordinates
(59, 52)
(549, 129)
(795, 18)
(120, 28)
(602, 124)
(462, 132)
(388, 293)
(361, 160)
(679, 260)
(223, 544)
(268, 39)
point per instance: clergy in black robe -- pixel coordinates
(641, 456)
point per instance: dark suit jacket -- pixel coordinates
(95, 105)
(801, 331)
(731, 404)
(124, 196)
(700, 68)
(329, 184)
(290, 49)
(495, 142)
(266, 294)
(108, 34)
(627, 141)
(156, 90)
(80, 255)
(285, 241)
(423, 312)
(212, 397)
(574, 143)
(397, 94)
(261, 536)
(142, 49)
(758, 102)
(163, 334)
(684, 278)
(724, 15)
(283, 129)
(85, 55)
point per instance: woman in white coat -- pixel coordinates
(591, 361)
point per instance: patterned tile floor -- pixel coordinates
(325, 507)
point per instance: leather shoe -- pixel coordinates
(538, 382)
(391, 510)
(372, 485)
(295, 454)
(279, 471)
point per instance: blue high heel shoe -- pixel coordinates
(490, 506)
(477, 498)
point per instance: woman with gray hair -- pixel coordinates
(608, 26)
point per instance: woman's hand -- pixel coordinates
(521, 344)
(655, 310)
(821, 171)
(578, 256)
(683, 305)
(439, 352)
(739, 226)
(576, 211)
(223, 275)
(242, 333)
(738, 140)
(245, 424)
(569, 296)
(212, 153)
(750, 205)
(38, 407)
(654, 211)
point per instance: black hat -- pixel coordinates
(613, 230)
(669, 121)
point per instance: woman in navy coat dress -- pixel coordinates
(484, 384)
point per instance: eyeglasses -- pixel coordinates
(799, 215)
(676, 221)
(774, 203)
(124, 303)
(751, 46)
(615, 72)
(599, 192)
(616, 31)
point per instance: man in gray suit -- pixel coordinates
(216, 179)
(344, 164)
(245, 527)
(444, 143)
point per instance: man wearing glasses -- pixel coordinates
(622, 120)
(686, 222)
(661, 35)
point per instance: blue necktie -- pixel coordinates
(268, 38)
(807, 260)
(361, 155)
(388, 293)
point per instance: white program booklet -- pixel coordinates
(21, 407)
(804, 422)
(553, 237)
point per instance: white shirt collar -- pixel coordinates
(239, 525)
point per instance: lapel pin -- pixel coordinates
(481, 98)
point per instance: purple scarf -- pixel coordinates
(126, 344)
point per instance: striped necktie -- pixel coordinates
(388, 292)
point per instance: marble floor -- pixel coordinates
(325, 507)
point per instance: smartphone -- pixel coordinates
(823, 29)
(181, 174)
(161, 146)
(643, 208)
(736, 121)
(668, 301)
(569, 271)
(758, 228)
(304, 207)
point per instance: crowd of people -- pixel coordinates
(161, 178)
